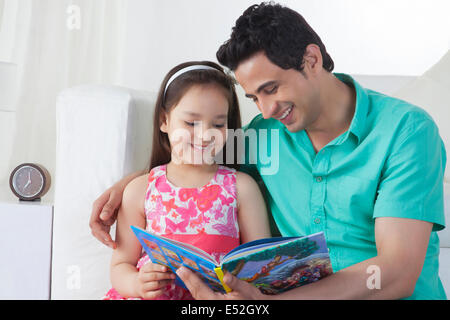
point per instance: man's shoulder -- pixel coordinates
(398, 114)
(397, 123)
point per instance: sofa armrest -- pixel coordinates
(101, 137)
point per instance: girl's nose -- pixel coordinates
(202, 132)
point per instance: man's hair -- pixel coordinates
(282, 33)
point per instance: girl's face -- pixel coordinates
(197, 125)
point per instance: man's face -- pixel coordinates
(285, 95)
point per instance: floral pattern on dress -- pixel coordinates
(208, 213)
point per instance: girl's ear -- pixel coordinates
(163, 122)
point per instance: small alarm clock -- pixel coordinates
(29, 181)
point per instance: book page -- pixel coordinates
(259, 242)
(283, 265)
(234, 254)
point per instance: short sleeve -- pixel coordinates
(247, 162)
(411, 185)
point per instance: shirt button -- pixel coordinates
(318, 179)
(317, 220)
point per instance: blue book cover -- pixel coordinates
(273, 265)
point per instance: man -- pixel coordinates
(364, 168)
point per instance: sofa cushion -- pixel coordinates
(444, 268)
(431, 92)
(444, 235)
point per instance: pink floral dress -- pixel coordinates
(205, 217)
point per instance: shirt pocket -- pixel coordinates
(356, 199)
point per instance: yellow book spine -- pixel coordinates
(220, 275)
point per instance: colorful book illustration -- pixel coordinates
(273, 265)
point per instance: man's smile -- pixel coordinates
(285, 113)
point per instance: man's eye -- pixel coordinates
(219, 125)
(272, 90)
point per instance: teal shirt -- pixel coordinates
(390, 163)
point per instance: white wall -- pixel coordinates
(363, 37)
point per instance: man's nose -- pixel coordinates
(268, 108)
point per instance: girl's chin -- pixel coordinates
(194, 163)
(195, 156)
(195, 160)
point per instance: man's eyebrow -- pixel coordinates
(261, 87)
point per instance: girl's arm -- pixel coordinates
(252, 211)
(151, 280)
(128, 251)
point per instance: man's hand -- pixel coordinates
(104, 214)
(242, 290)
(105, 209)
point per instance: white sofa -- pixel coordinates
(103, 134)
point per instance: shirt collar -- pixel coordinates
(359, 121)
(358, 124)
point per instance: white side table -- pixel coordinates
(25, 249)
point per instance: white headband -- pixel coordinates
(187, 69)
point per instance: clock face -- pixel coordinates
(28, 181)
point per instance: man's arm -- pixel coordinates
(105, 208)
(401, 244)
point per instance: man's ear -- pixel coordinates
(312, 59)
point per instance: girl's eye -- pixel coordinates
(219, 125)
(191, 124)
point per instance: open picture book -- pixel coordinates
(273, 265)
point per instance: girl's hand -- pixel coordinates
(152, 280)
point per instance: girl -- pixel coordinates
(186, 196)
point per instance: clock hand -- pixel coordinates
(29, 181)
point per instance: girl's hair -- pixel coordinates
(170, 96)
